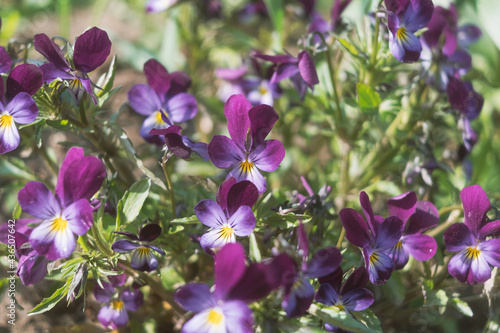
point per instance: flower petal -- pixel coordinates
(239, 317)
(268, 155)
(79, 216)
(426, 216)
(144, 99)
(399, 255)
(91, 50)
(470, 270)
(243, 221)
(158, 77)
(388, 233)
(52, 242)
(420, 247)
(253, 286)
(133, 299)
(299, 299)
(51, 72)
(357, 279)
(379, 266)
(22, 108)
(252, 175)
(181, 107)
(358, 299)
(149, 232)
(307, 69)
(25, 78)
(103, 295)
(195, 297)
(5, 61)
(327, 295)
(50, 50)
(210, 214)
(366, 205)
(490, 229)
(124, 246)
(9, 136)
(476, 205)
(153, 121)
(262, 119)
(143, 259)
(215, 239)
(323, 262)
(356, 228)
(402, 206)
(238, 122)
(229, 268)
(491, 251)
(36, 199)
(179, 83)
(32, 268)
(405, 46)
(457, 237)
(223, 192)
(224, 153)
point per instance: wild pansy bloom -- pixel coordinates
(247, 151)
(374, 236)
(405, 17)
(89, 52)
(462, 97)
(143, 258)
(180, 145)
(230, 216)
(476, 253)
(16, 103)
(163, 100)
(417, 217)
(301, 70)
(320, 25)
(68, 212)
(114, 314)
(225, 309)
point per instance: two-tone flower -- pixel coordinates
(230, 216)
(405, 17)
(476, 240)
(68, 212)
(16, 103)
(247, 151)
(225, 309)
(143, 257)
(375, 236)
(180, 145)
(163, 100)
(417, 217)
(89, 52)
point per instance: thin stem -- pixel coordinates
(341, 238)
(169, 183)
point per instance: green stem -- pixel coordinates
(169, 183)
(64, 17)
(100, 245)
(341, 238)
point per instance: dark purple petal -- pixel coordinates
(457, 237)
(210, 214)
(490, 249)
(457, 93)
(224, 153)
(323, 262)
(239, 317)
(79, 216)
(32, 268)
(133, 299)
(5, 61)
(144, 99)
(118, 280)
(396, 6)
(87, 86)
(379, 266)
(22, 108)
(253, 286)
(194, 297)
(262, 119)
(302, 242)
(36, 199)
(335, 279)
(307, 69)
(149, 232)
(50, 50)
(327, 295)
(23, 78)
(158, 77)
(74, 154)
(364, 200)
(103, 295)
(130, 235)
(491, 229)
(299, 299)
(470, 269)
(91, 50)
(179, 83)
(420, 247)
(143, 259)
(418, 14)
(285, 71)
(238, 122)
(356, 228)
(181, 107)
(277, 59)
(357, 279)
(388, 233)
(20, 227)
(124, 246)
(223, 192)
(268, 155)
(242, 221)
(229, 268)
(282, 271)
(155, 248)
(426, 216)
(337, 10)
(175, 144)
(51, 72)
(9, 137)
(476, 205)
(358, 299)
(402, 206)
(243, 193)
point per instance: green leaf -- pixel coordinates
(462, 306)
(344, 320)
(367, 97)
(61, 125)
(254, 249)
(16, 214)
(132, 201)
(38, 132)
(107, 80)
(15, 168)
(48, 303)
(349, 47)
(175, 229)
(187, 220)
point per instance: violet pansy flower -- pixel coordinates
(417, 217)
(320, 25)
(143, 258)
(225, 309)
(405, 17)
(68, 212)
(16, 103)
(163, 100)
(247, 151)
(230, 216)
(180, 145)
(470, 239)
(374, 236)
(114, 313)
(462, 97)
(89, 52)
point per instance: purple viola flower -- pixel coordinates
(246, 154)
(143, 258)
(301, 70)
(348, 296)
(68, 212)
(320, 25)
(155, 6)
(470, 239)
(181, 145)
(114, 314)
(374, 236)
(225, 309)
(417, 217)
(16, 103)
(462, 97)
(405, 17)
(163, 100)
(230, 216)
(89, 52)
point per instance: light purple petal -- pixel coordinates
(407, 49)
(52, 243)
(32, 268)
(143, 99)
(143, 259)
(457, 237)
(402, 206)
(91, 50)
(113, 318)
(124, 246)
(284, 71)
(307, 69)
(9, 136)
(224, 153)
(327, 295)
(155, 6)
(426, 216)
(51, 72)
(490, 249)
(238, 122)
(476, 205)
(155, 248)
(379, 266)
(50, 50)
(268, 155)
(103, 295)
(470, 270)
(229, 268)
(420, 247)
(399, 255)
(25, 78)
(79, 216)
(181, 107)
(154, 121)
(358, 299)
(323, 262)
(133, 299)
(214, 239)
(490, 229)
(356, 228)
(418, 14)
(36, 199)
(242, 221)
(22, 108)
(210, 214)
(194, 297)
(230, 74)
(468, 34)
(158, 77)
(201, 148)
(239, 317)
(87, 86)
(252, 175)
(262, 120)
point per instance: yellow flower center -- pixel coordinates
(214, 317)
(373, 258)
(402, 34)
(399, 245)
(472, 252)
(340, 306)
(75, 84)
(246, 166)
(262, 90)
(59, 225)
(226, 232)
(5, 120)
(158, 118)
(117, 305)
(143, 251)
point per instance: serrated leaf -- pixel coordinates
(132, 201)
(48, 303)
(367, 97)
